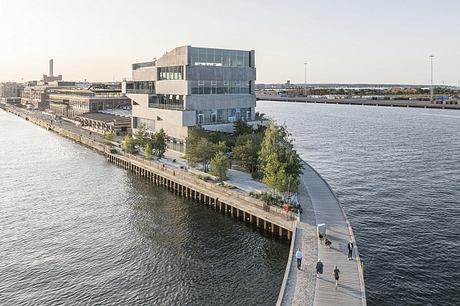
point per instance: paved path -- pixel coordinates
(327, 210)
(302, 287)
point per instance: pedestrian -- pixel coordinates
(298, 256)
(320, 236)
(336, 276)
(319, 267)
(328, 243)
(350, 250)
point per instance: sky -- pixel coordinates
(350, 41)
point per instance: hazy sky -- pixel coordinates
(347, 41)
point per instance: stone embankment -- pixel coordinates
(364, 102)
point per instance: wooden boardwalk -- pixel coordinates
(323, 204)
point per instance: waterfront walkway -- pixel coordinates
(302, 287)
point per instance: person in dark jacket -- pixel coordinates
(336, 276)
(350, 250)
(319, 268)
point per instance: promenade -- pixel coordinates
(301, 287)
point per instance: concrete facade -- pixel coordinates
(190, 86)
(10, 92)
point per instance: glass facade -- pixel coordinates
(148, 123)
(175, 102)
(220, 87)
(171, 73)
(219, 57)
(140, 87)
(223, 115)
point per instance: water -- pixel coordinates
(75, 229)
(396, 171)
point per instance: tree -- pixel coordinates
(128, 144)
(159, 144)
(240, 128)
(247, 150)
(108, 137)
(219, 165)
(148, 150)
(280, 164)
(141, 136)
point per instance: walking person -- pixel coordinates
(298, 256)
(350, 250)
(319, 267)
(336, 276)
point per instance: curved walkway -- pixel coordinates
(301, 287)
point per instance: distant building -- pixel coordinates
(72, 102)
(10, 92)
(51, 78)
(189, 86)
(37, 95)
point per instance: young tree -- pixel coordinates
(159, 143)
(247, 150)
(128, 144)
(148, 150)
(280, 164)
(240, 128)
(141, 135)
(219, 165)
(108, 137)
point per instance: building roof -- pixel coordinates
(102, 117)
(118, 112)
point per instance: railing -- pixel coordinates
(140, 91)
(166, 106)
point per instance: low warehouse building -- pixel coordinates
(101, 123)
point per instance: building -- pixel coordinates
(189, 86)
(51, 78)
(72, 102)
(38, 95)
(10, 92)
(117, 123)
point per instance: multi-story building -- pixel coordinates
(190, 86)
(72, 102)
(10, 92)
(37, 95)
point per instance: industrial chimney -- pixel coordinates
(51, 67)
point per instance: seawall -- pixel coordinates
(363, 102)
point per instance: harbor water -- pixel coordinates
(396, 172)
(77, 230)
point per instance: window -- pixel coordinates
(171, 73)
(223, 115)
(175, 102)
(148, 123)
(140, 87)
(219, 57)
(220, 87)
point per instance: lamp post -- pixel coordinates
(431, 87)
(305, 84)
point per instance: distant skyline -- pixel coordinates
(342, 41)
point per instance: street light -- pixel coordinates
(305, 84)
(431, 88)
